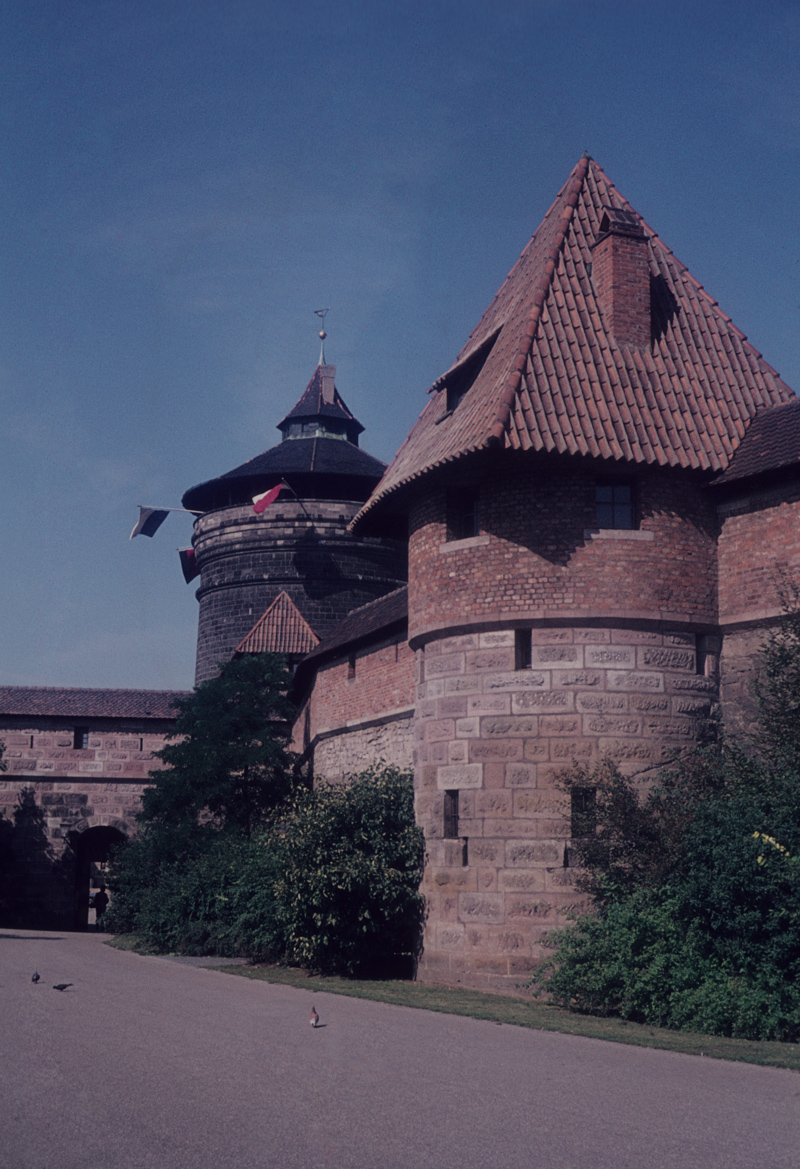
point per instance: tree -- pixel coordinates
(227, 763)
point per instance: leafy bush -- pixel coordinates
(696, 882)
(350, 863)
(332, 884)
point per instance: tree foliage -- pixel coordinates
(696, 881)
(227, 762)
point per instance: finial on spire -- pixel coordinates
(322, 313)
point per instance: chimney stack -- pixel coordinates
(621, 272)
(328, 373)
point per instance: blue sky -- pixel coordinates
(182, 184)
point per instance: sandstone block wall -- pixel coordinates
(501, 737)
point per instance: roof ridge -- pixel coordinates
(509, 393)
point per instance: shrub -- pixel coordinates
(350, 863)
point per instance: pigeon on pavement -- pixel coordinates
(63, 985)
(314, 1018)
(35, 977)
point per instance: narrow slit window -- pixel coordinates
(351, 667)
(614, 505)
(583, 811)
(451, 815)
(463, 515)
(522, 649)
(80, 738)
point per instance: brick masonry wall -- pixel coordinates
(501, 737)
(246, 560)
(533, 559)
(379, 691)
(759, 542)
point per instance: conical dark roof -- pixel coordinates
(543, 371)
(319, 456)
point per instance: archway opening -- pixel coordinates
(92, 852)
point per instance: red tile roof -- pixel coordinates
(772, 443)
(282, 629)
(57, 702)
(551, 377)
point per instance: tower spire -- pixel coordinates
(322, 313)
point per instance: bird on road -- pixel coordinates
(63, 985)
(314, 1017)
(35, 977)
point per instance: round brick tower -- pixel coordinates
(298, 549)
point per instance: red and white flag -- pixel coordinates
(262, 502)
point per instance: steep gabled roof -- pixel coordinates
(772, 443)
(76, 703)
(543, 372)
(281, 630)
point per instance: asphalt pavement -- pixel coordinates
(149, 1064)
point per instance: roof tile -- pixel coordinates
(282, 629)
(556, 379)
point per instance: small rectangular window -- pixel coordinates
(522, 649)
(80, 738)
(463, 519)
(613, 505)
(451, 815)
(351, 667)
(583, 811)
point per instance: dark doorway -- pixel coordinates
(92, 850)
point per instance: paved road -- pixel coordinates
(148, 1063)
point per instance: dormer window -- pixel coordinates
(463, 376)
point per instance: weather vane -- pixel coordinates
(322, 313)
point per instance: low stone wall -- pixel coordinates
(348, 751)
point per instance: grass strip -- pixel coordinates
(516, 1012)
(498, 1008)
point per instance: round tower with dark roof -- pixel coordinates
(298, 551)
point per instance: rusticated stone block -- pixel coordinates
(450, 937)
(447, 664)
(485, 851)
(635, 680)
(611, 657)
(601, 703)
(635, 637)
(468, 728)
(487, 880)
(509, 726)
(543, 636)
(478, 704)
(438, 730)
(698, 707)
(522, 880)
(469, 684)
(665, 658)
(627, 750)
(650, 703)
(457, 751)
(560, 724)
(459, 775)
(520, 907)
(606, 724)
(557, 655)
(495, 638)
(572, 749)
(486, 908)
(592, 636)
(493, 803)
(518, 680)
(453, 706)
(524, 854)
(494, 750)
(521, 774)
(549, 701)
(531, 802)
(694, 684)
(537, 750)
(687, 639)
(577, 679)
(490, 659)
(675, 728)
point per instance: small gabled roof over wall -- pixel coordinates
(544, 371)
(281, 630)
(772, 443)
